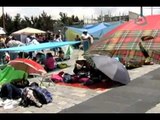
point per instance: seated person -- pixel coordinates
(62, 56)
(83, 69)
(81, 66)
(23, 55)
(50, 62)
(40, 58)
(76, 46)
(6, 58)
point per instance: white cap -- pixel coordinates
(33, 36)
(10, 37)
(59, 30)
(81, 58)
(85, 31)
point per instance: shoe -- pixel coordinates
(7, 101)
(19, 100)
(38, 104)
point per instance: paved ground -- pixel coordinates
(138, 96)
(65, 96)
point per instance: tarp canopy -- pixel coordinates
(123, 41)
(28, 30)
(96, 30)
(41, 46)
(88, 26)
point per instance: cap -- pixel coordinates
(85, 31)
(10, 37)
(33, 36)
(81, 58)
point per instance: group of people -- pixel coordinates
(11, 41)
(47, 60)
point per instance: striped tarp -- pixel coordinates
(124, 43)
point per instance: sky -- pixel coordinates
(81, 12)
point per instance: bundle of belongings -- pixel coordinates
(22, 93)
(62, 65)
(133, 63)
(83, 73)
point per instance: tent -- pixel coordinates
(96, 30)
(123, 41)
(28, 30)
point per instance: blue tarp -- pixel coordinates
(97, 30)
(41, 46)
(88, 26)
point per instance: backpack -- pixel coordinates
(25, 101)
(42, 94)
(56, 78)
(133, 63)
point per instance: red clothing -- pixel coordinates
(50, 63)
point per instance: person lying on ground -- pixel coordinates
(14, 89)
(30, 94)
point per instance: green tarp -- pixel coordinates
(9, 74)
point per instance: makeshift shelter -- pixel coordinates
(9, 74)
(123, 41)
(28, 30)
(96, 30)
(22, 34)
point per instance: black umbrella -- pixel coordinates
(112, 68)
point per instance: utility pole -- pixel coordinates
(101, 16)
(92, 19)
(141, 11)
(119, 16)
(83, 20)
(151, 10)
